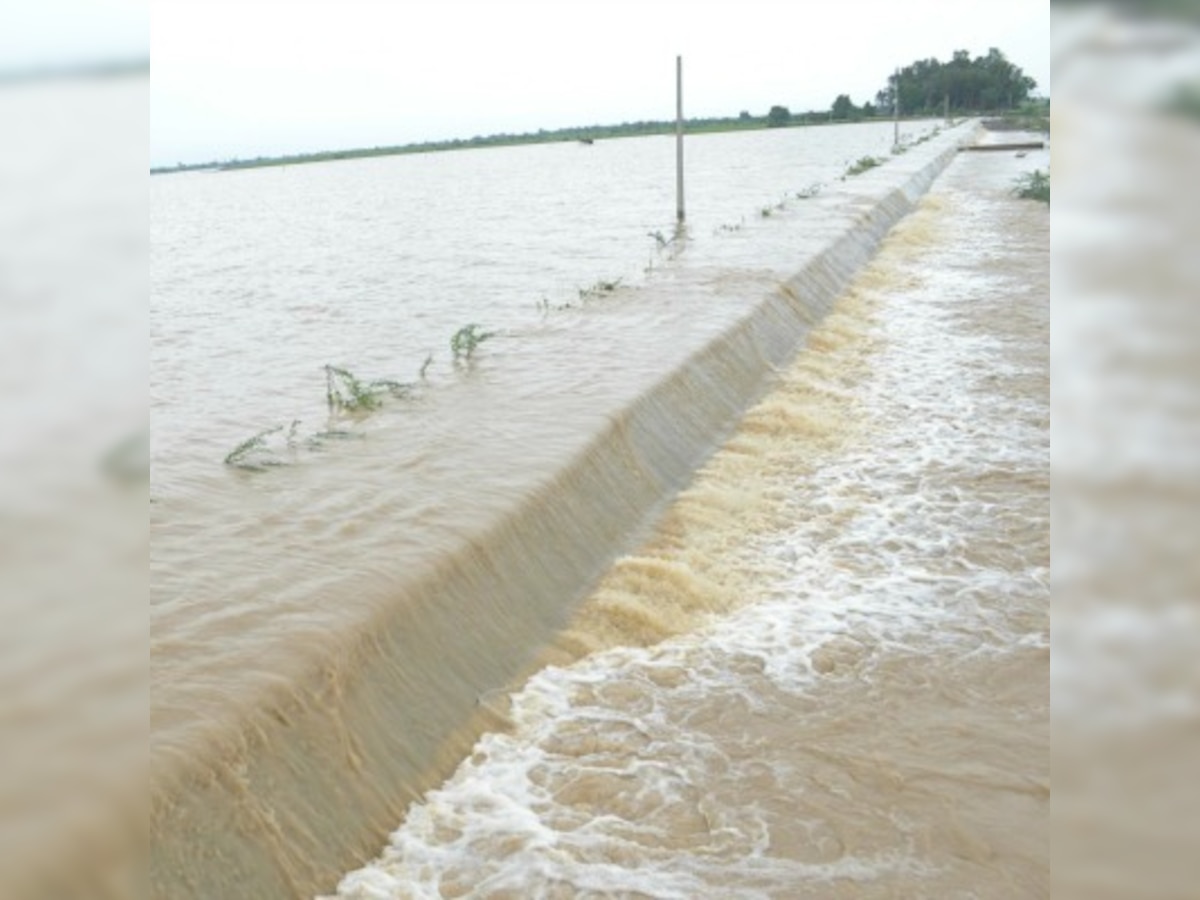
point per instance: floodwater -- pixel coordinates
(261, 277)
(826, 672)
(334, 624)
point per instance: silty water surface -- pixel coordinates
(262, 277)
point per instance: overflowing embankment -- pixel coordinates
(276, 790)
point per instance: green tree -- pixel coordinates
(778, 116)
(844, 108)
(988, 82)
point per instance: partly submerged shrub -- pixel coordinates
(1033, 185)
(864, 164)
(599, 289)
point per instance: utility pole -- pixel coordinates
(896, 109)
(679, 213)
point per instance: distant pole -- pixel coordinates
(946, 103)
(896, 109)
(679, 214)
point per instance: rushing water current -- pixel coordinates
(866, 715)
(822, 673)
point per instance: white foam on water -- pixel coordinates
(588, 797)
(692, 768)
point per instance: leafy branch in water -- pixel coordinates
(1033, 185)
(344, 392)
(467, 339)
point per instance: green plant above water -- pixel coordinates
(467, 339)
(344, 392)
(1033, 185)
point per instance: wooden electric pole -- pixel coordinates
(679, 213)
(896, 109)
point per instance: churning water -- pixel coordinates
(820, 675)
(851, 700)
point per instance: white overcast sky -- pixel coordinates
(267, 77)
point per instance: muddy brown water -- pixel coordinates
(330, 638)
(826, 673)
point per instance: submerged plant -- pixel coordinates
(599, 289)
(545, 307)
(1033, 185)
(464, 342)
(864, 164)
(317, 442)
(344, 392)
(254, 455)
(673, 245)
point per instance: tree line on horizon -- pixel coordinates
(960, 86)
(928, 87)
